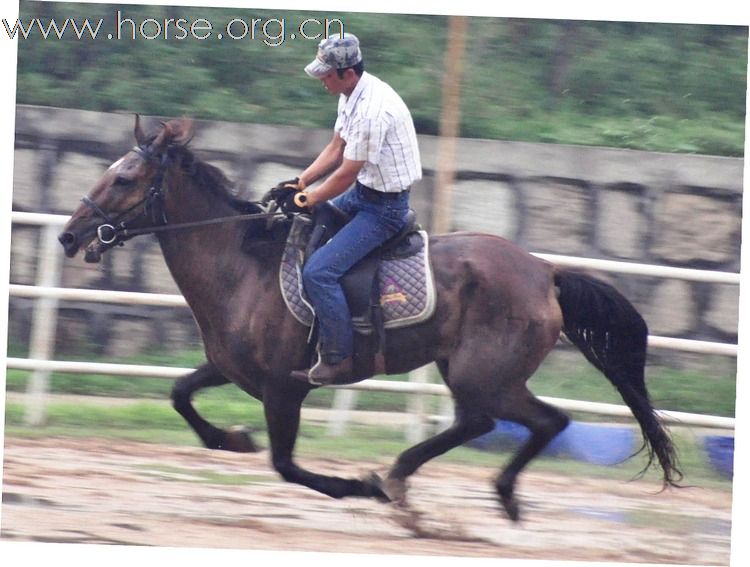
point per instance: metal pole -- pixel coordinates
(450, 119)
(449, 124)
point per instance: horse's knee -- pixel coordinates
(285, 467)
(556, 422)
(543, 420)
(181, 392)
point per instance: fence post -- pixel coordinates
(417, 407)
(447, 413)
(44, 324)
(343, 403)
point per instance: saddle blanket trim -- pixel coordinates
(408, 294)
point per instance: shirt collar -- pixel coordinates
(358, 92)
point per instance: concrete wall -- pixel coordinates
(678, 210)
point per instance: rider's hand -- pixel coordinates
(295, 203)
(283, 190)
(297, 184)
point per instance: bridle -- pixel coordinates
(115, 231)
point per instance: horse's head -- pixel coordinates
(127, 196)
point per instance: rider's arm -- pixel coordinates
(328, 160)
(339, 181)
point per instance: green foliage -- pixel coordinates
(158, 423)
(706, 388)
(664, 87)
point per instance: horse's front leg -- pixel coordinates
(282, 404)
(206, 376)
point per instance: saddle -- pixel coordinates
(389, 288)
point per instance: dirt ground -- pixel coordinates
(105, 492)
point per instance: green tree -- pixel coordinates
(666, 87)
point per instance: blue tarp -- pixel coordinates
(592, 443)
(598, 444)
(720, 451)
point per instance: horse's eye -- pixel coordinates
(121, 181)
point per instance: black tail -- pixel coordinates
(612, 335)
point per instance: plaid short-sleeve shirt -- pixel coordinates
(378, 129)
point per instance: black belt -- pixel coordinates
(375, 194)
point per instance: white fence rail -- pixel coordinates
(367, 385)
(688, 274)
(48, 294)
(167, 300)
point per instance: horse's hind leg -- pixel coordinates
(468, 425)
(545, 422)
(206, 376)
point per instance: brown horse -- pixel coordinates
(499, 313)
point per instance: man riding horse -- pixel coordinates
(498, 310)
(373, 159)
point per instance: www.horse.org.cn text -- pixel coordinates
(270, 31)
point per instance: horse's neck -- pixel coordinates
(206, 262)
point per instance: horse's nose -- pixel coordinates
(69, 243)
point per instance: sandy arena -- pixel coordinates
(127, 493)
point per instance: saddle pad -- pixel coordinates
(407, 287)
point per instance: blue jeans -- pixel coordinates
(375, 219)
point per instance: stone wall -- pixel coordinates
(677, 210)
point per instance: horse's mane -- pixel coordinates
(209, 178)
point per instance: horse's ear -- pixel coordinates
(140, 137)
(174, 132)
(163, 138)
(182, 130)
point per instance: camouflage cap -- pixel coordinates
(335, 53)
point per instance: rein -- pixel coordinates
(115, 232)
(129, 233)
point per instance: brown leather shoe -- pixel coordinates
(324, 374)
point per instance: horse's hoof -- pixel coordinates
(390, 490)
(238, 440)
(396, 489)
(510, 504)
(507, 498)
(375, 487)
